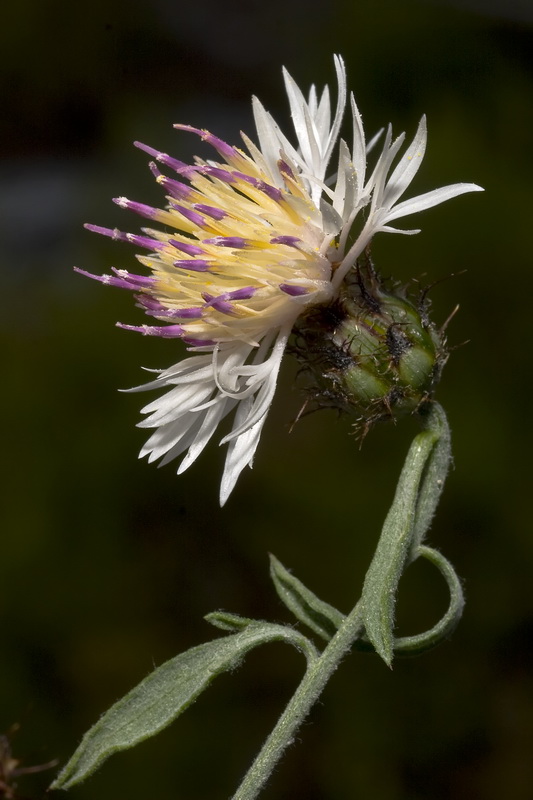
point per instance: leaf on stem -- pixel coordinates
(166, 693)
(322, 618)
(417, 493)
(227, 621)
(420, 643)
(434, 474)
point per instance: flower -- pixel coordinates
(252, 241)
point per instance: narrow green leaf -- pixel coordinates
(322, 618)
(227, 621)
(166, 693)
(413, 645)
(397, 537)
(434, 475)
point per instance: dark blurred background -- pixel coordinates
(107, 565)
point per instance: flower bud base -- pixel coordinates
(371, 352)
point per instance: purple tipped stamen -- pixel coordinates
(145, 241)
(100, 278)
(167, 332)
(292, 290)
(222, 302)
(138, 281)
(290, 241)
(242, 294)
(242, 176)
(132, 238)
(138, 208)
(193, 264)
(271, 191)
(125, 280)
(218, 303)
(225, 150)
(188, 313)
(217, 172)
(236, 242)
(221, 305)
(211, 211)
(154, 308)
(178, 166)
(191, 215)
(154, 169)
(113, 233)
(266, 188)
(175, 188)
(285, 169)
(150, 304)
(190, 249)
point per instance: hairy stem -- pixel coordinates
(307, 693)
(417, 494)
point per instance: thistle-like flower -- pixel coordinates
(253, 242)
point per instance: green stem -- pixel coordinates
(417, 495)
(308, 692)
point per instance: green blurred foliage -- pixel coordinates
(107, 565)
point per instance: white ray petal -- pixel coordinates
(322, 115)
(380, 176)
(182, 444)
(267, 135)
(340, 69)
(313, 101)
(346, 195)
(391, 229)
(206, 430)
(168, 437)
(430, 199)
(175, 404)
(407, 167)
(301, 120)
(240, 453)
(266, 386)
(359, 151)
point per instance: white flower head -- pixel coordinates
(251, 241)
